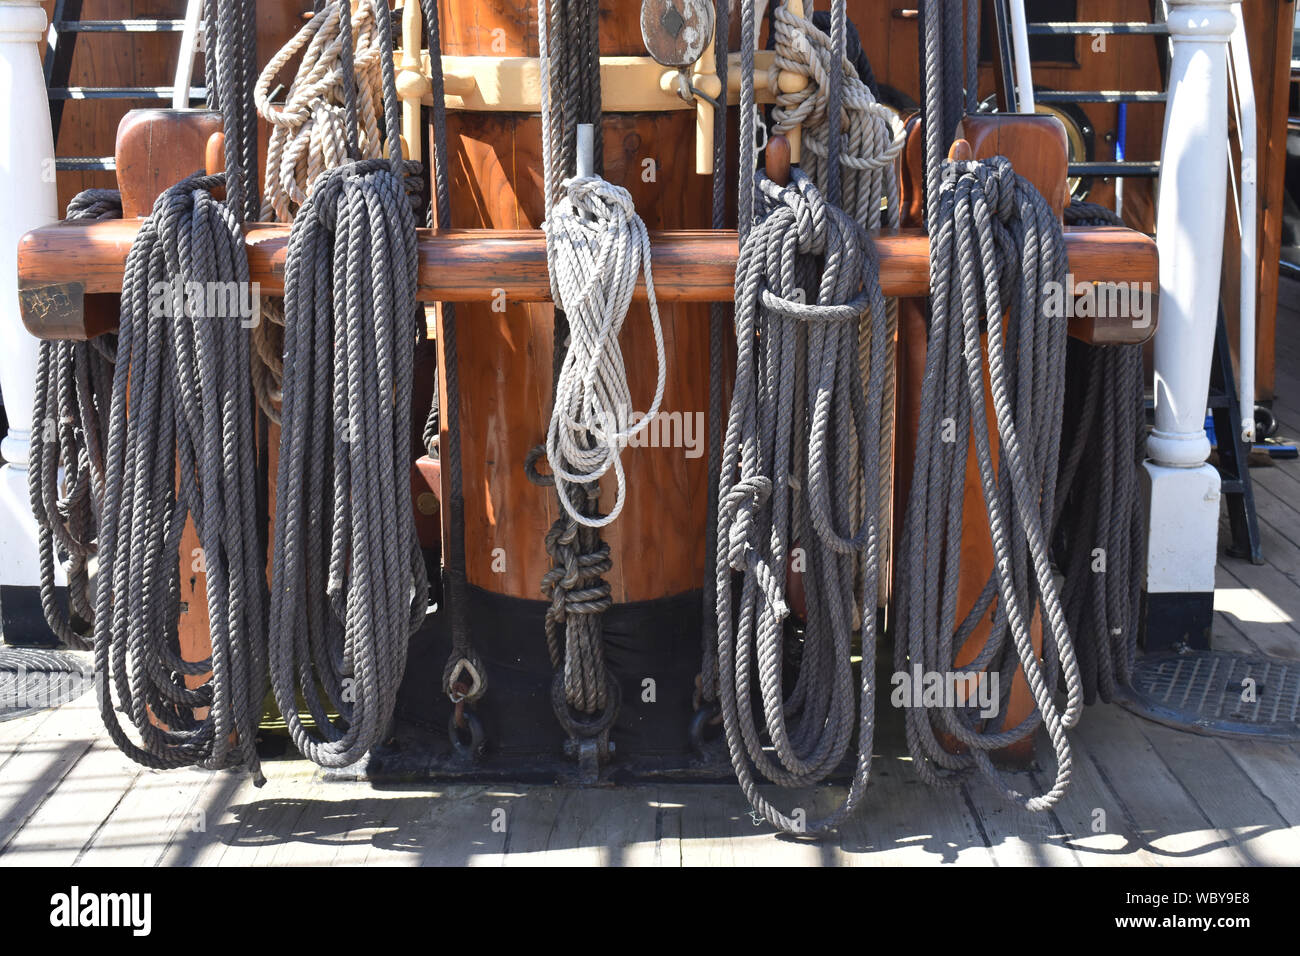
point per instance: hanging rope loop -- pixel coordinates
(181, 448)
(598, 247)
(995, 244)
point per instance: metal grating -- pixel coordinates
(1217, 693)
(32, 680)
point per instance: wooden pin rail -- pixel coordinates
(63, 267)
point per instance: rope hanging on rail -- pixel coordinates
(596, 249)
(65, 475)
(348, 579)
(800, 477)
(995, 245)
(1100, 527)
(183, 448)
(187, 376)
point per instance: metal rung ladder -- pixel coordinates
(65, 26)
(1118, 169)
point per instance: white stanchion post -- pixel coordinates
(28, 198)
(1183, 490)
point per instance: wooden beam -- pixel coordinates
(59, 265)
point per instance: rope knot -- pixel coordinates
(740, 506)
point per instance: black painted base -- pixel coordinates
(21, 619)
(1173, 621)
(652, 648)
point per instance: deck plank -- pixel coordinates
(1226, 795)
(1168, 821)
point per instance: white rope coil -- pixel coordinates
(873, 133)
(597, 247)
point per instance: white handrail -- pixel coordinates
(185, 62)
(1243, 87)
(1020, 44)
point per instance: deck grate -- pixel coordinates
(1217, 693)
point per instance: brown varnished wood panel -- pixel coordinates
(470, 265)
(505, 357)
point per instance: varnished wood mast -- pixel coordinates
(477, 265)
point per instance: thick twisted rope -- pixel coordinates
(1100, 520)
(231, 70)
(597, 249)
(65, 476)
(575, 585)
(803, 425)
(870, 138)
(349, 585)
(995, 244)
(719, 314)
(190, 414)
(873, 134)
(309, 134)
(309, 131)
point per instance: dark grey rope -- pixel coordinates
(464, 661)
(74, 383)
(995, 244)
(349, 584)
(719, 314)
(801, 456)
(941, 84)
(1099, 505)
(190, 405)
(803, 426)
(230, 68)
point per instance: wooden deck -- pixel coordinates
(1168, 798)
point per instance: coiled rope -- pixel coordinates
(866, 164)
(309, 134)
(994, 246)
(310, 130)
(74, 382)
(800, 459)
(190, 406)
(1100, 517)
(596, 247)
(184, 447)
(349, 584)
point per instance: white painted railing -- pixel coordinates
(1184, 489)
(28, 198)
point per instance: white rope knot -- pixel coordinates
(874, 134)
(309, 131)
(597, 248)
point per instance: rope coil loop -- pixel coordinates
(597, 247)
(182, 448)
(995, 245)
(803, 427)
(349, 579)
(65, 473)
